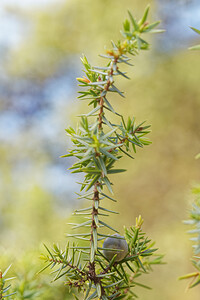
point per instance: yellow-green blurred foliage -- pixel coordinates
(164, 91)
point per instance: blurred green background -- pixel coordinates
(41, 42)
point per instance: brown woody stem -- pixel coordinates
(92, 270)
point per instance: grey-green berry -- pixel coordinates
(117, 242)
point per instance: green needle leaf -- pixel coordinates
(144, 18)
(133, 21)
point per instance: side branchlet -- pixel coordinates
(4, 285)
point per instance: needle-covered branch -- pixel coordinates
(194, 222)
(102, 265)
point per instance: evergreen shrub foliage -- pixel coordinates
(98, 144)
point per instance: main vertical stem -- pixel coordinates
(101, 102)
(95, 205)
(94, 211)
(92, 270)
(93, 227)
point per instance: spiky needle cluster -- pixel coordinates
(97, 145)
